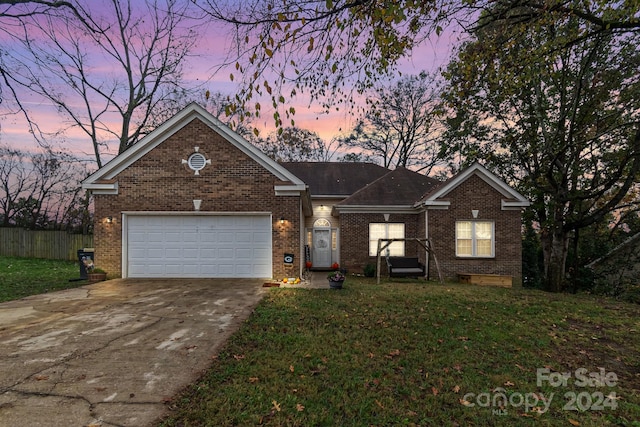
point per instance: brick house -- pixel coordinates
(194, 199)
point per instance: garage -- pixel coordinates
(197, 246)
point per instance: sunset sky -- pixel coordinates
(198, 71)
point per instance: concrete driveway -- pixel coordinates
(113, 353)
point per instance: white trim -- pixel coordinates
(514, 200)
(329, 196)
(473, 239)
(167, 129)
(192, 213)
(386, 234)
(289, 190)
(397, 209)
(437, 204)
(125, 228)
(513, 205)
(102, 188)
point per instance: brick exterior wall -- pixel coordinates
(232, 183)
(354, 238)
(475, 193)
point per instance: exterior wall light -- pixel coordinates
(109, 220)
(281, 220)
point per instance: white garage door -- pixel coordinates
(198, 246)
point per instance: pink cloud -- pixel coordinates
(199, 73)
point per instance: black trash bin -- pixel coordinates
(85, 257)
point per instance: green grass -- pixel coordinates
(21, 277)
(419, 354)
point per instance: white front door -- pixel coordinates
(321, 248)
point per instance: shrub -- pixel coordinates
(369, 270)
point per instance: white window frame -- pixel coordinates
(395, 248)
(474, 239)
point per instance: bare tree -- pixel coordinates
(37, 189)
(107, 73)
(295, 145)
(402, 124)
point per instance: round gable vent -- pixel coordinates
(196, 162)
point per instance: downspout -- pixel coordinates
(426, 236)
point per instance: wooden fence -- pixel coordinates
(42, 244)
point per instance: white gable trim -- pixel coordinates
(170, 127)
(397, 209)
(513, 199)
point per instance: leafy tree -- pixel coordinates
(60, 57)
(555, 113)
(329, 49)
(402, 124)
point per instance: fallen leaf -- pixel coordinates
(509, 384)
(291, 368)
(574, 422)
(395, 352)
(276, 406)
(434, 391)
(371, 355)
(253, 380)
(299, 407)
(238, 356)
(465, 402)
(379, 404)
(456, 389)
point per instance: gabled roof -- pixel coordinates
(399, 188)
(103, 181)
(437, 198)
(335, 178)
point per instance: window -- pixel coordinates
(386, 231)
(474, 239)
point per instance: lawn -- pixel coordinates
(406, 353)
(21, 277)
(415, 353)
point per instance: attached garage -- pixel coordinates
(233, 245)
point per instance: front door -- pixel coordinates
(321, 247)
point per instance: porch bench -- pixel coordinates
(486, 279)
(405, 267)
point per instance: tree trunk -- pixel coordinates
(555, 245)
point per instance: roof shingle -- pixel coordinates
(335, 178)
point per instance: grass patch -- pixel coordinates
(21, 277)
(419, 354)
